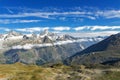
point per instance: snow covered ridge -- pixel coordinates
(17, 40)
(30, 46)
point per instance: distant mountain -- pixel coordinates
(46, 39)
(104, 52)
(41, 48)
(12, 34)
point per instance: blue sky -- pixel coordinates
(60, 15)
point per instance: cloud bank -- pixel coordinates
(66, 28)
(96, 28)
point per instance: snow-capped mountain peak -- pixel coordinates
(14, 40)
(14, 33)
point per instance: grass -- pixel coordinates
(110, 75)
(20, 71)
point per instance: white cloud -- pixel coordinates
(34, 29)
(105, 27)
(9, 21)
(61, 28)
(26, 21)
(91, 17)
(100, 28)
(95, 28)
(51, 13)
(109, 13)
(79, 28)
(5, 29)
(67, 28)
(10, 11)
(38, 29)
(92, 34)
(40, 14)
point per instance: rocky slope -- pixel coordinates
(104, 52)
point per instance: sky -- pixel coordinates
(60, 15)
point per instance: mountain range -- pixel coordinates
(41, 48)
(105, 52)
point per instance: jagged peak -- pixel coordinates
(45, 32)
(46, 39)
(14, 33)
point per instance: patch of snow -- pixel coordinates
(15, 38)
(82, 47)
(30, 46)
